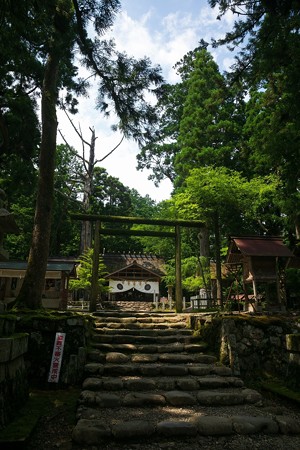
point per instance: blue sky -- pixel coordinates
(164, 31)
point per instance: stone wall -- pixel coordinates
(13, 379)
(42, 329)
(255, 345)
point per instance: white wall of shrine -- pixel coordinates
(147, 287)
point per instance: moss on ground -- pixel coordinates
(15, 434)
(277, 387)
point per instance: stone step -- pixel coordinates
(157, 357)
(99, 349)
(120, 338)
(142, 331)
(149, 377)
(147, 316)
(177, 398)
(132, 306)
(160, 383)
(153, 370)
(141, 325)
(92, 429)
(146, 319)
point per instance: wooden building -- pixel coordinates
(260, 262)
(133, 277)
(57, 277)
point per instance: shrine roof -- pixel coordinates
(122, 262)
(262, 246)
(21, 265)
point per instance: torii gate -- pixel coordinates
(98, 219)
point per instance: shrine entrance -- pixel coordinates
(133, 282)
(175, 234)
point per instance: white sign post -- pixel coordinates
(57, 355)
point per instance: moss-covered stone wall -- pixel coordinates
(42, 328)
(254, 345)
(13, 379)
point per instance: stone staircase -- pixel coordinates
(149, 379)
(123, 305)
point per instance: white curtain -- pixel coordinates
(147, 287)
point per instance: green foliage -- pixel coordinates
(273, 139)
(267, 40)
(84, 273)
(18, 244)
(169, 268)
(191, 271)
(209, 131)
(237, 201)
(161, 147)
(142, 206)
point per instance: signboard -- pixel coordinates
(57, 355)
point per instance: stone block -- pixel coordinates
(214, 425)
(200, 369)
(187, 384)
(150, 370)
(294, 358)
(139, 384)
(94, 368)
(19, 345)
(133, 429)
(166, 384)
(293, 342)
(5, 349)
(92, 384)
(288, 425)
(176, 428)
(14, 367)
(1, 326)
(2, 372)
(144, 358)
(174, 370)
(216, 398)
(116, 358)
(179, 398)
(90, 432)
(141, 399)
(102, 400)
(213, 382)
(251, 396)
(107, 400)
(9, 327)
(112, 384)
(251, 425)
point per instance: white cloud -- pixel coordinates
(165, 40)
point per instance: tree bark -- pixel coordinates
(178, 282)
(95, 291)
(86, 227)
(33, 285)
(218, 260)
(32, 289)
(204, 253)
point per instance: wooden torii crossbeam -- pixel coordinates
(177, 224)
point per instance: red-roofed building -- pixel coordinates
(263, 260)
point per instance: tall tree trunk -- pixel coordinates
(33, 285)
(218, 260)
(297, 227)
(31, 291)
(203, 237)
(86, 227)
